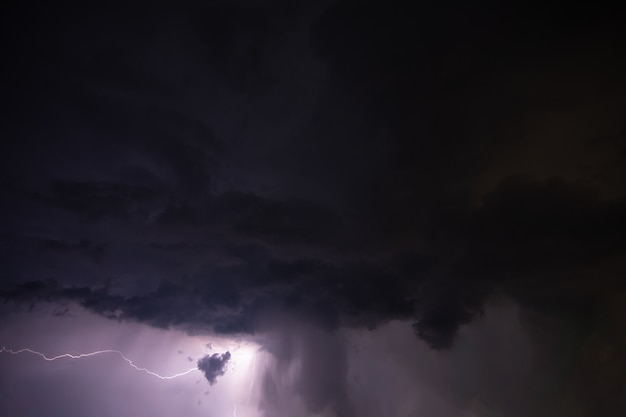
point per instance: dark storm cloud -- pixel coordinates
(346, 165)
(523, 232)
(213, 366)
(390, 229)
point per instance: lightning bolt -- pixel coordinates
(98, 352)
(234, 410)
(252, 378)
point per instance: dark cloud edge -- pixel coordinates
(546, 244)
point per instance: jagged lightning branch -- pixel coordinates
(98, 352)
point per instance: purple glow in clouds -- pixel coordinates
(124, 369)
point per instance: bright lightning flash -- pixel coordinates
(98, 352)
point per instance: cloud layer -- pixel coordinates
(217, 167)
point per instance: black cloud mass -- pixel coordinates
(214, 365)
(216, 165)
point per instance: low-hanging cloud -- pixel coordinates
(214, 365)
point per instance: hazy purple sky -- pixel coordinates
(105, 385)
(381, 372)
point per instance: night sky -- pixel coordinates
(325, 208)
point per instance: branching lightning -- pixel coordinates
(98, 352)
